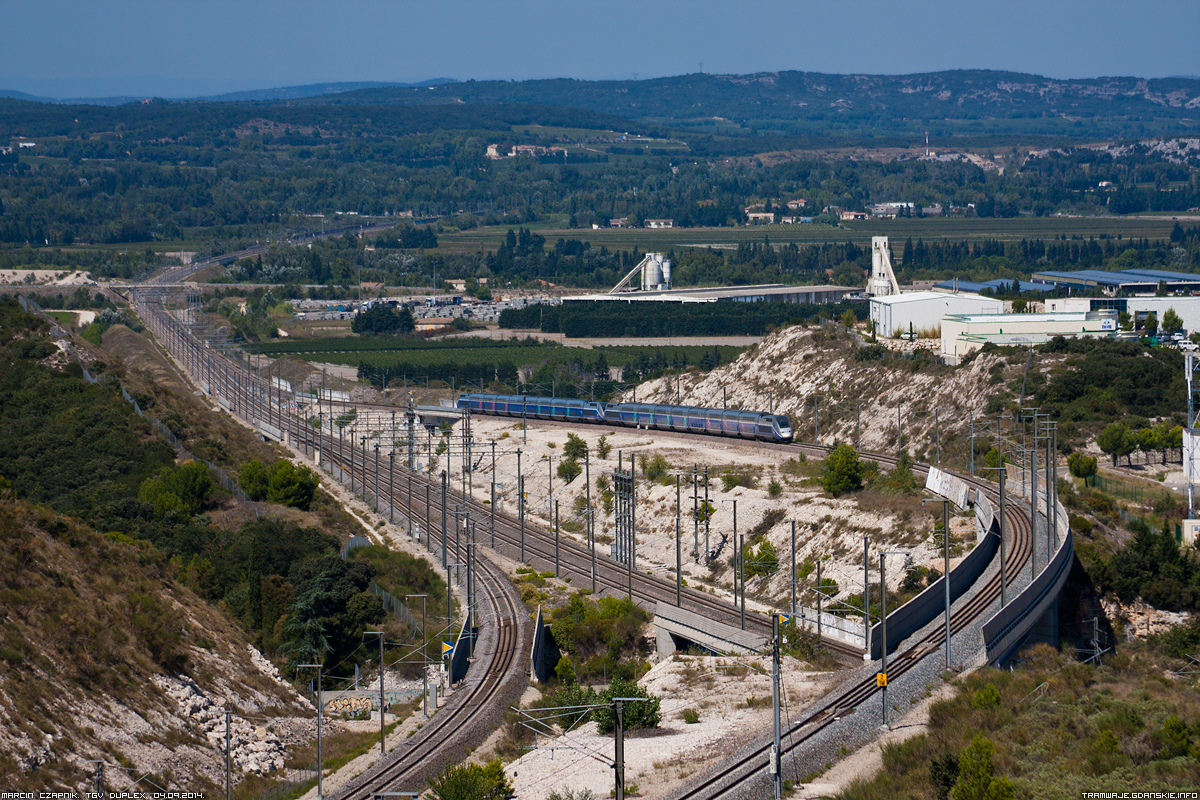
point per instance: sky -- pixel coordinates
(94, 48)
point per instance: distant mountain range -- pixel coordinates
(785, 101)
(955, 94)
(254, 95)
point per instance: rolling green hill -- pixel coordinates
(776, 97)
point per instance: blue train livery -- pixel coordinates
(692, 419)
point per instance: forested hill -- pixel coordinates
(291, 124)
(956, 94)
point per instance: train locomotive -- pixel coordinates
(692, 419)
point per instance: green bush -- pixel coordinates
(843, 471)
(471, 782)
(254, 480)
(638, 714)
(976, 778)
(600, 636)
(987, 697)
(761, 561)
(283, 483)
(184, 489)
(900, 479)
(292, 486)
(569, 470)
(655, 468)
(575, 447)
(1173, 738)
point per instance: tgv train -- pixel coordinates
(741, 424)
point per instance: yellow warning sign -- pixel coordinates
(447, 648)
(881, 679)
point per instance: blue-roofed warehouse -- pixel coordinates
(1133, 281)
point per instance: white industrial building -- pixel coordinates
(893, 314)
(1188, 308)
(963, 334)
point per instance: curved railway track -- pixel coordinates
(437, 741)
(477, 706)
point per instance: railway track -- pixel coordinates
(447, 738)
(437, 743)
(728, 779)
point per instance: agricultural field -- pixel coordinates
(484, 361)
(956, 229)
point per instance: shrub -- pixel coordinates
(1173, 738)
(1082, 466)
(976, 780)
(691, 716)
(987, 697)
(564, 670)
(291, 485)
(603, 448)
(1081, 525)
(254, 479)
(570, 794)
(943, 771)
(183, 489)
(843, 471)
(774, 489)
(569, 470)
(656, 468)
(575, 447)
(764, 561)
(640, 714)
(900, 479)
(730, 480)
(471, 782)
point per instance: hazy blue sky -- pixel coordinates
(165, 47)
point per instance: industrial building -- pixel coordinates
(1128, 282)
(963, 334)
(894, 314)
(654, 284)
(1188, 308)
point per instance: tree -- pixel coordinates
(764, 561)
(1151, 324)
(843, 471)
(575, 447)
(291, 485)
(849, 319)
(569, 469)
(1169, 437)
(1117, 440)
(1174, 737)
(976, 779)
(1082, 466)
(381, 319)
(1171, 323)
(254, 479)
(183, 489)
